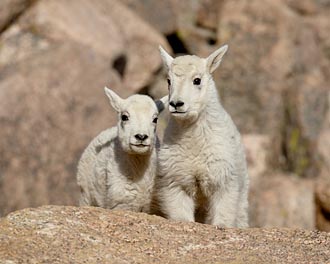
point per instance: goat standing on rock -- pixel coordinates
(117, 169)
(202, 174)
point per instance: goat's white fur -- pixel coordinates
(117, 170)
(202, 174)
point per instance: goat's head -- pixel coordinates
(137, 120)
(188, 80)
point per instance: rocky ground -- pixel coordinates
(56, 56)
(58, 234)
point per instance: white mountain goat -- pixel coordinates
(202, 174)
(117, 169)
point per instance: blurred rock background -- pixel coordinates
(56, 56)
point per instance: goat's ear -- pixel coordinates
(115, 101)
(162, 103)
(213, 61)
(167, 58)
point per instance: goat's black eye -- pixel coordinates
(168, 82)
(124, 117)
(197, 81)
(155, 120)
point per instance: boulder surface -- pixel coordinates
(60, 234)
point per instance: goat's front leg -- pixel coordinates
(176, 204)
(223, 208)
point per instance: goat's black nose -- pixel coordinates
(172, 104)
(177, 104)
(141, 137)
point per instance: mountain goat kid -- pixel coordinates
(117, 169)
(202, 174)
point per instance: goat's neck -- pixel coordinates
(132, 165)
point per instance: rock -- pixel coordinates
(266, 83)
(322, 191)
(10, 9)
(197, 25)
(303, 7)
(323, 147)
(54, 65)
(208, 14)
(120, 34)
(281, 200)
(257, 152)
(159, 14)
(190, 26)
(56, 56)
(322, 197)
(57, 234)
(52, 104)
(276, 199)
(322, 219)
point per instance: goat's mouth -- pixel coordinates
(140, 148)
(178, 113)
(140, 145)
(189, 115)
